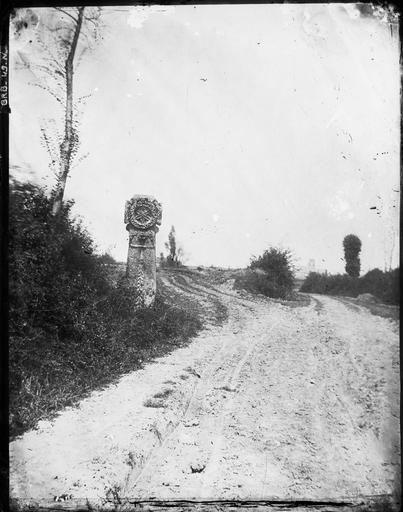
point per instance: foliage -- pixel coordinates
(62, 36)
(171, 245)
(271, 274)
(175, 253)
(107, 259)
(383, 285)
(71, 330)
(52, 267)
(352, 248)
(339, 284)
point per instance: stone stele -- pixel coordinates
(142, 218)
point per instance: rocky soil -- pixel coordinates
(280, 401)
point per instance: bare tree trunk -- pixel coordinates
(67, 146)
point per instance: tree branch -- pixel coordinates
(70, 58)
(92, 20)
(47, 90)
(66, 13)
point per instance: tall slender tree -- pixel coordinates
(352, 248)
(175, 252)
(70, 141)
(171, 247)
(63, 35)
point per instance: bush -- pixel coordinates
(270, 274)
(383, 285)
(107, 259)
(339, 284)
(54, 276)
(314, 283)
(71, 329)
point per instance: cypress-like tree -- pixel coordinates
(352, 248)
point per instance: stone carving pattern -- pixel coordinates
(143, 213)
(142, 238)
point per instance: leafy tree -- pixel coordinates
(352, 248)
(63, 36)
(171, 244)
(175, 252)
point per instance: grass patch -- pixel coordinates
(163, 394)
(50, 374)
(152, 402)
(158, 400)
(382, 310)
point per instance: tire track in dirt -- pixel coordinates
(324, 410)
(204, 384)
(353, 406)
(275, 403)
(232, 381)
(217, 425)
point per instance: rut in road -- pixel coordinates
(206, 380)
(268, 402)
(312, 414)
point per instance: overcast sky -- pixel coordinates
(253, 125)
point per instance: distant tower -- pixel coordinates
(311, 265)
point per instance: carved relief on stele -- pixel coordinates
(143, 213)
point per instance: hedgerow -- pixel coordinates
(385, 285)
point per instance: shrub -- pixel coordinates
(270, 274)
(339, 284)
(107, 259)
(54, 276)
(392, 294)
(71, 329)
(313, 283)
(383, 285)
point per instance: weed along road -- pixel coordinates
(272, 400)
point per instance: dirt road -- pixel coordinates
(279, 402)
